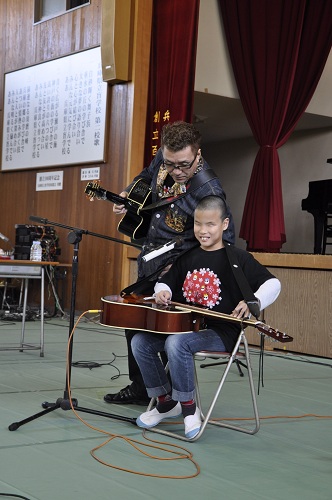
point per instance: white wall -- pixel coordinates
(214, 72)
(321, 102)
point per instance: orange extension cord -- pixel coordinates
(175, 452)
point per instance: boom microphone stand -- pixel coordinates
(74, 237)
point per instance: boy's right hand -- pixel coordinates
(163, 297)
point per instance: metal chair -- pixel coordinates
(206, 419)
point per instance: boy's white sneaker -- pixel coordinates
(153, 417)
(192, 424)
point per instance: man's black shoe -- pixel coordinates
(127, 396)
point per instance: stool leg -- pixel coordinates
(26, 284)
(4, 295)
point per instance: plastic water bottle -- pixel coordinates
(36, 251)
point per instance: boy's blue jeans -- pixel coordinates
(179, 349)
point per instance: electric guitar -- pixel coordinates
(133, 223)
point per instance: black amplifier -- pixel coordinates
(26, 234)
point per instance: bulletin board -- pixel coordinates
(55, 113)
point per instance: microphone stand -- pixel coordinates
(74, 237)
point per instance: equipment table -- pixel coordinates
(26, 270)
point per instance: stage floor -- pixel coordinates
(49, 458)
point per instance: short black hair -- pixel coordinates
(178, 135)
(213, 203)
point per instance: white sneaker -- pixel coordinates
(153, 417)
(192, 424)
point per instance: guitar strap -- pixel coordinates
(242, 281)
(251, 301)
(198, 180)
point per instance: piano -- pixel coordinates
(319, 203)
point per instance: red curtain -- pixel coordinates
(172, 68)
(278, 50)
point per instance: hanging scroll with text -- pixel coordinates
(55, 113)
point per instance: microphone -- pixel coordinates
(163, 249)
(3, 237)
(34, 218)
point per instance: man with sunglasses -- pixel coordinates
(179, 178)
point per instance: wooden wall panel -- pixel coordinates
(303, 309)
(103, 265)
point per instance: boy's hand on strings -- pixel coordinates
(241, 310)
(163, 297)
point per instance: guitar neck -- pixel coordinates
(261, 327)
(114, 198)
(215, 314)
(93, 190)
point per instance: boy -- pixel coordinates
(203, 276)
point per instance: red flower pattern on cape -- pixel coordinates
(202, 287)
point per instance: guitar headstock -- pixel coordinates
(93, 190)
(271, 332)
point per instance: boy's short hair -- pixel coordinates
(213, 203)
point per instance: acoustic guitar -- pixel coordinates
(133, 312)
(133, 224)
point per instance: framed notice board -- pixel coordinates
(55, 113)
